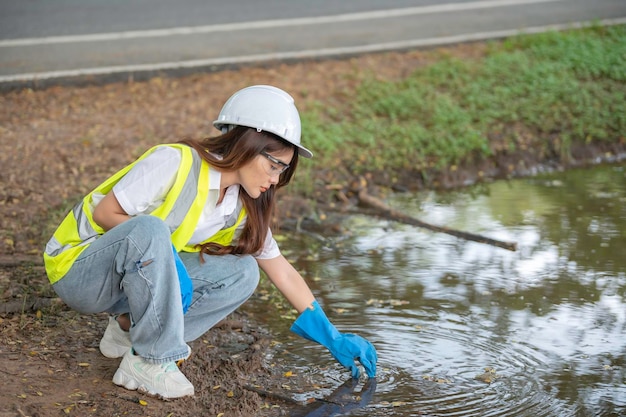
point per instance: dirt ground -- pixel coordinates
(59, 142)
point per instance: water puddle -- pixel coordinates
(465, 329)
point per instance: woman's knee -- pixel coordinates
(234, 274)
(144, 231)
(239, 273)
(250, 272)
(149, 226)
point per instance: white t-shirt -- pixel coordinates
(145, 186)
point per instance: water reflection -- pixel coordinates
(466, 329)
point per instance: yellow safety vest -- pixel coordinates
(180, 210)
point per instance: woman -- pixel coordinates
(171, 244)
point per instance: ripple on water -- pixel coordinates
(451, 369)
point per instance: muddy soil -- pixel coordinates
(58, 143)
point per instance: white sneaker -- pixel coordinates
(115, 342)
(163, 380)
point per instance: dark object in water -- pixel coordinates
(342, 400)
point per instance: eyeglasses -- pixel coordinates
(277, 166)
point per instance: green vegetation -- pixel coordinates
(529, 92)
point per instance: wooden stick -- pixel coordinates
(387, 212)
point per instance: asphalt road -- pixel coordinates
(43, 41)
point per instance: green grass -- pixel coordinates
(563, 87)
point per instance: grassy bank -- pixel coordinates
(533, 93)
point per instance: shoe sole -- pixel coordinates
(125, 380)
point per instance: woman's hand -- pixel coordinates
(313, 324)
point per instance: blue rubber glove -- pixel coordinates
(186, 286)
(313, 325)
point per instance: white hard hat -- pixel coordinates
(265, 108)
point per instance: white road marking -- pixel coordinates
(265, 24)
(312, 53)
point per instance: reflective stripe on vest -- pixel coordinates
(181, 210)
(229, 233)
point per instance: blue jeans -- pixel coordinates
(130, 269)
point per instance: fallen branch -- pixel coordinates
(385, 211)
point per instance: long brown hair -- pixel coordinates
(236, 148)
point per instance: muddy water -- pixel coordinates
(466, 329)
